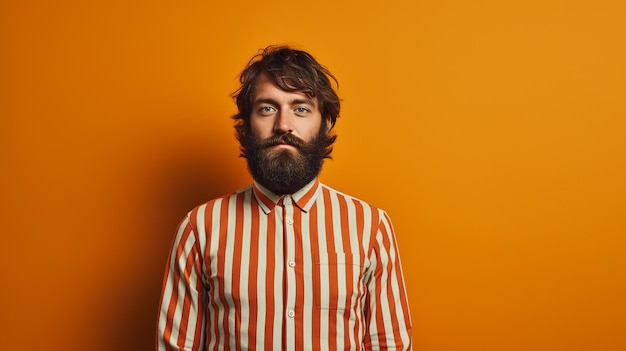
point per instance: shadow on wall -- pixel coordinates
(180, 177)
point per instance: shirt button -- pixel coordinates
(289, 221)
(287, 201)
(291, 313)
(292, 264)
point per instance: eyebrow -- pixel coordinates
(292, 102)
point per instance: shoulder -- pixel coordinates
(218, 202)
(332, 193)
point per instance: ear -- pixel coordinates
(329, 124)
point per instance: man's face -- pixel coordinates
(275, 111)
(286, 142)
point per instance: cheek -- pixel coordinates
(260, 129)
(311, 130)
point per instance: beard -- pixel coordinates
(285, 171)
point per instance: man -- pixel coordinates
(287, 262)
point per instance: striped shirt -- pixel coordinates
(316, 270)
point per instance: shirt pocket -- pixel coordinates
(337, 281)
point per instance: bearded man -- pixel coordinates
(286, 263)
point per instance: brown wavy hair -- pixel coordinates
(291, 70)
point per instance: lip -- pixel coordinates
(282, 145)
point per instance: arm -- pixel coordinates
(181, 322)
(388, 320)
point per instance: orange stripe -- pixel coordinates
(220, 272)
(299, 273)
(236, 264)
(360, 224)
(253, 263)
(199, 287)
(269, 273)
(208, 225)
(380, 325)
(345, 228)
(212, 323)
(332, 269)
(315, 252)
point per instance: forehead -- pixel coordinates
(266, 89)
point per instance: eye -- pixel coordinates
(302, 110)
(266, 110)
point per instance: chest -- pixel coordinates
(318, 256)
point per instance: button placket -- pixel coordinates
(287, 200)
(290, 274)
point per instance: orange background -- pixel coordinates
(493, 132)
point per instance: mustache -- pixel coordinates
(278, 139)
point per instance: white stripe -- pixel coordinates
(215, 230)
(341, 274)
(367, 229)
(201, 229)
(384, 298)
(323, 270)
(365, 241)
(356, 267)
(371, 290)
(261, 280)
(229, 254)
(193, 310)
(290, 280)
(307, 275)
(201, 299)
(279, 315)
(245, 271)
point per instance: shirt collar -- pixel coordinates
(303, 198)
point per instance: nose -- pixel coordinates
(283, 123)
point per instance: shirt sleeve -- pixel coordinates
(388, 319)
(181, 322)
